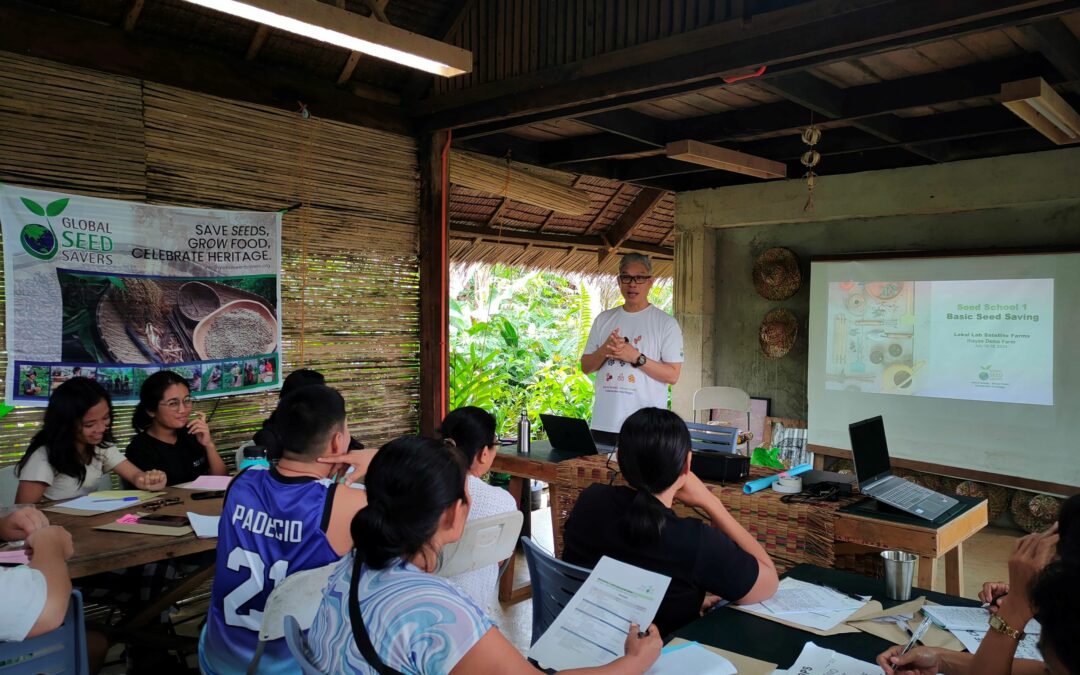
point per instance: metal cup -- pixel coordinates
(899, 572)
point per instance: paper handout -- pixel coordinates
(690, 657)
(824, 619)
(1028, 648)
(815, 660)
(92, 504)
(208, 483)
(809, 598)
(969, 619)
(206, 527)
(591, 630)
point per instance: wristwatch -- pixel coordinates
(640, 361)
(998, 624)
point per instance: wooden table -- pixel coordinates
(927, 541)
(793, 533)
(540, 464)
(98, 551)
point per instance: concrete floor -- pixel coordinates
(986, 558)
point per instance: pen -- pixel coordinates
(118, 499)
(916, 635)
(986, 605)
(850, 595)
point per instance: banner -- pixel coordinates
(116, 291)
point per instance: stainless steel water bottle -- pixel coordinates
(524, 433)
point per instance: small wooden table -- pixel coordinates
(540, 464)
(927, 541)
(98, 551)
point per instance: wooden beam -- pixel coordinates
(498, 212)
(89, 44)
(795, 38)
(590, 242)
(622, 228)
(629, 124)
(132, 16)
(262, 31)
(1058, 44)
(377, 10)
(433, 152)
(420, 81)
(715, 157)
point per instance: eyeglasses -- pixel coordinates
(637, 279)
(159, 503)
(177, 403)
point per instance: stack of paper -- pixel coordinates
(207, 483)
(807, 605)
(969, 625)
(591, 630)
(104, 501)
(815, 660)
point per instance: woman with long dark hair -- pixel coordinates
(169, 438)
(636, 524)
(472, 430)
(75, 447)
(383, 600)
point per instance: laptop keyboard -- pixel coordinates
(905, 495)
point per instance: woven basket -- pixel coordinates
(997, 497)
(1034, 512)
(791, 533)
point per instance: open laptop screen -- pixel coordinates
(869, 449)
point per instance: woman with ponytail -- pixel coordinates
(472, 430)
(383, 609)
(636, 524)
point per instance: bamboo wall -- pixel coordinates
(350, 278)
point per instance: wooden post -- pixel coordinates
(695, 310)
(434, 281)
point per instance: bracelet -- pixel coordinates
(998, 624)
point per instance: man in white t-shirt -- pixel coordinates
(636, 351)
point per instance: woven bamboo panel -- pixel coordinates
(791, 533)
(350, 279)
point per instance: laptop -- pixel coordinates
(872, 468)
(572, 434)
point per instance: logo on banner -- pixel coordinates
(40, 240)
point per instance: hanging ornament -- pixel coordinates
(810, 136)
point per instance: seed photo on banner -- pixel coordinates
(116, 291)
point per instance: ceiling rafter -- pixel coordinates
(635, 213)
(1057, 43)
(131, 17)
(378, 10)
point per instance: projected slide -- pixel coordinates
(979, 340)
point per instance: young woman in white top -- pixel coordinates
(472, 430)
(75, 447)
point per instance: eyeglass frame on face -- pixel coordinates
(634, 278)
(177, 403)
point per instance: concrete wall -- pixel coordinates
(1036, 209)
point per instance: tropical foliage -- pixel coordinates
(516, 337)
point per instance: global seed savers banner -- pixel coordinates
(116, 291)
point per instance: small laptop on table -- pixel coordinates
(874, 471)
(572, 434)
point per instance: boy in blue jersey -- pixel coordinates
(277, 522)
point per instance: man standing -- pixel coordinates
(636, 351)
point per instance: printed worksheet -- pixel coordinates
(969, 619)
(815, 660)
(591, 630)
(1027, 649)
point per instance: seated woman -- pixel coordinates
(384, 592)
(1036, 558)
(472, 430)
(636, 525)
(168, 438)
(74, 448)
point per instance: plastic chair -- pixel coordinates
(60, 651)
(294, 637)
(298, 596)
(554, 582)
(484, 542)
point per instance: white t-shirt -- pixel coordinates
(24, 588)
(621, 389)
(484, 500)
(63, 486)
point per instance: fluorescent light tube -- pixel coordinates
(1051, 117)
(313, 19)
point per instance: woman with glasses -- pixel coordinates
(170, 438)
(472, 430)
(74, 448)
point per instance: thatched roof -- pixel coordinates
(488, 228)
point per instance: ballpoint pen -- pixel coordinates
(916, 635)
(118, 499)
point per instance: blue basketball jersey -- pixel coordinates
(271, 526)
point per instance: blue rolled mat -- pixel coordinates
(762, 483)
